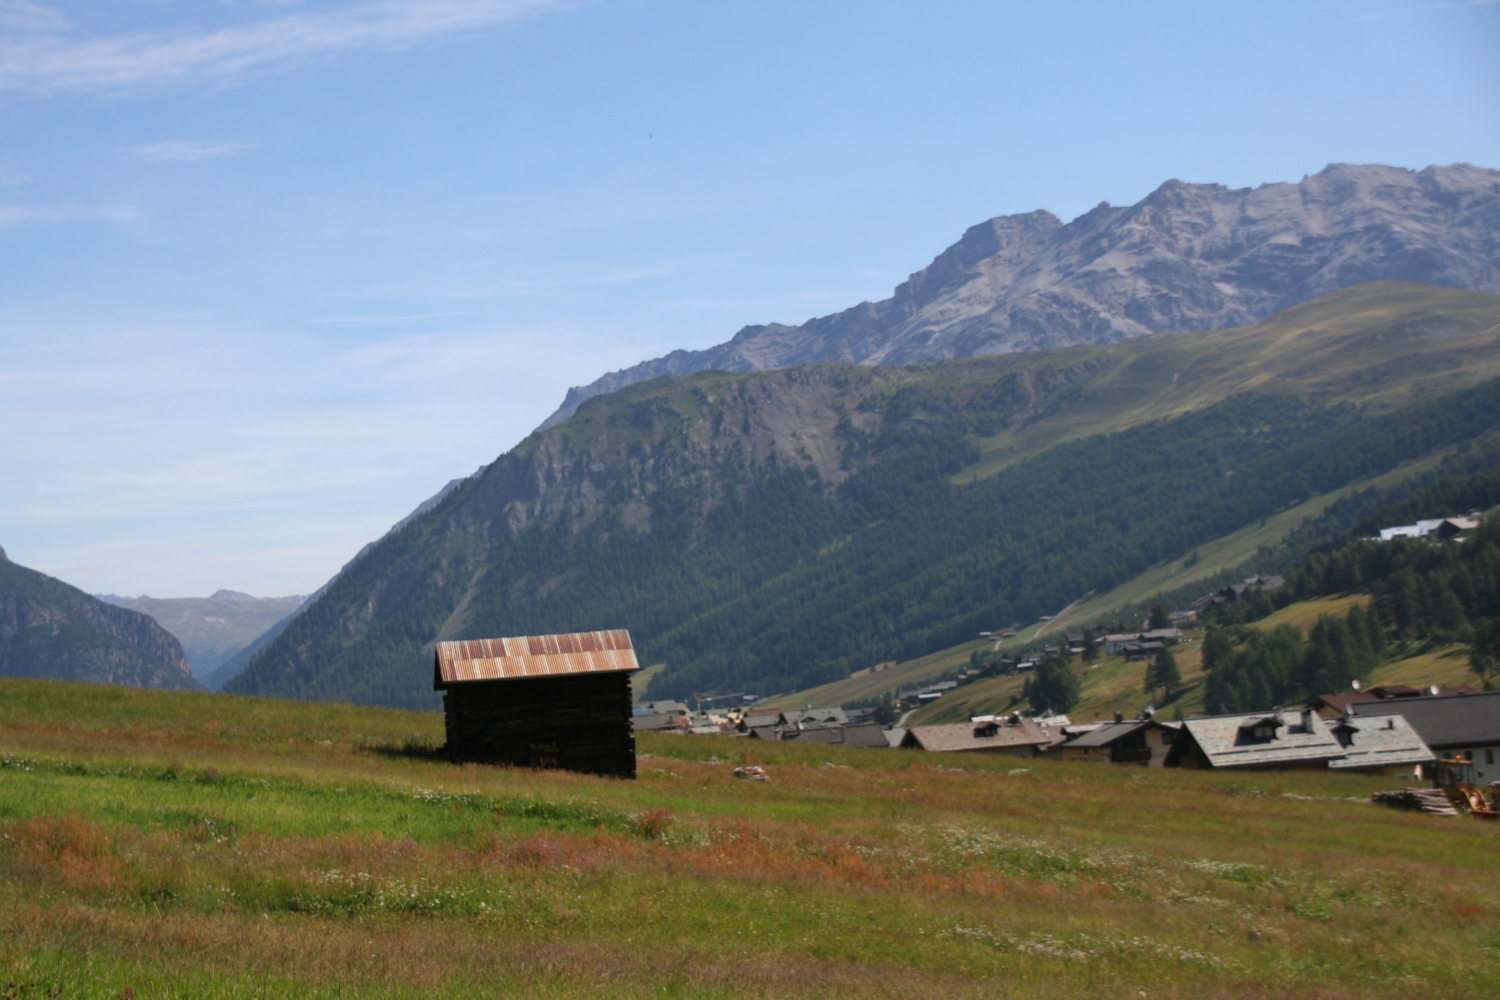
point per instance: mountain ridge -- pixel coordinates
(51, 629)
(1186, 257)
(211, 629)
(710, 512)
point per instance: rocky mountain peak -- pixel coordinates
(1188, 256)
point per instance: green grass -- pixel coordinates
(641, 679)
(903, 676)
(1354, 345)
(157, 844)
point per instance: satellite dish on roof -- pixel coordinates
(1354, 684)
(1433, 690)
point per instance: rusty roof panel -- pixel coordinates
(532, 656)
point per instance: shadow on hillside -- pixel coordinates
(409, 750)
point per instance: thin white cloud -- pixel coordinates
(44, 57)
(177, 150)
(25, 16)
(390, 319)
(24, 215)
(181, 459)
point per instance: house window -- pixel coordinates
(1166, 737)
(1263, 732)
(1489, 756)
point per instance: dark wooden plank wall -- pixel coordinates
(579, 722)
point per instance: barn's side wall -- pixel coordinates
(578, 722)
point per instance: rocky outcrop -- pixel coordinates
(1187, 257)
(49, 629)
(211, 629)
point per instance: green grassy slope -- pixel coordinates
(170, 845)
(1117, 686)
(1381, 346)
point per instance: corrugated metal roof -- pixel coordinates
(532, 656)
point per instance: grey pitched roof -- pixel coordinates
(1454, 722)
(1106, 734)
(656, 720)
(1380, 741)
(761, 721)
(823, 716)
(662, 708)
(1302, 738)
(976, 736)
(864, 735)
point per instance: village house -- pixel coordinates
(540, 701)
(1127, 642)
(1133, 741)
(1385, 745)
(1236, 591)
(1335, 706)
(1255, 739)
(865, 734)
(1013, 736)
(662, 708)
(1135, 652)
(1459, 726)
(647, 723)
(816, 717)
(760, 720)
(1440, 528)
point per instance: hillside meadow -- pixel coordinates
(157, 844)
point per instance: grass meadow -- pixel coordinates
(159, 844)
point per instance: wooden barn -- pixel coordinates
(540, 701)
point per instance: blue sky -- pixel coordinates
(271, 272)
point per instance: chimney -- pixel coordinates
(1119, 716)
(1308, 720)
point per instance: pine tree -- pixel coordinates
(1055, 688)
(1162, 675)
(1159, 616)
(1218, 648)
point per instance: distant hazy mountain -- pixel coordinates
(49, 629)
(232, 663)
(211, 629)
(1187, 257)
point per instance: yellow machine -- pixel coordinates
(1456, 780)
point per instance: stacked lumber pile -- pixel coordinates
(1432, 801)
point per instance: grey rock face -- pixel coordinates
(49, 629)
(1186, 257)
(211, 629)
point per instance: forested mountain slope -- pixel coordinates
(775, 530)
(1423, 595)
(1186, 257)
(49, 629)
